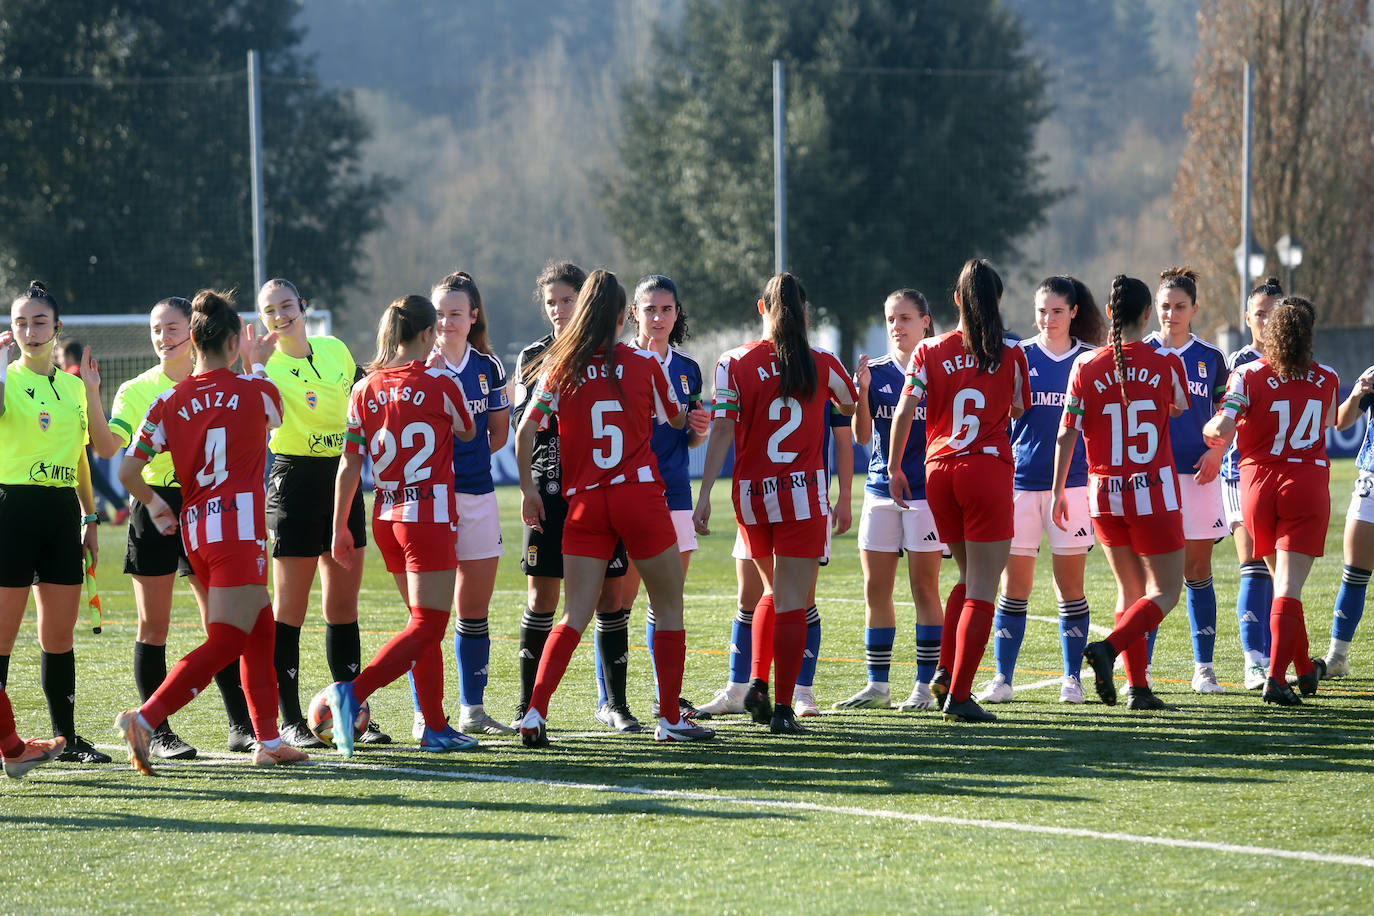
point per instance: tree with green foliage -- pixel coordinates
(910, 148)
(125, 176)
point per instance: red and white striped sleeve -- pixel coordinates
(726, 398)
(1021, 393)
(836, 378)
(916, 377)
(666, 404)
(1179, 385)
(271, 400)
(455, 400)
(152, 434)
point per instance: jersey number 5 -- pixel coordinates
(1135, 427)
(609, 457)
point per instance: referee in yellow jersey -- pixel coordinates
(47, 512)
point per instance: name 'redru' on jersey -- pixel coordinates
(1280, 421)
(779, 470)
(967, 409)
(606, 424)
(404, 417)
(215, 426)
(1130, 462)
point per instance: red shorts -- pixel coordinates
(635, 513)
(1286, 507)
(970, 498)
(229, 564)
(416, 546)
(806, 539)
(1147, 535)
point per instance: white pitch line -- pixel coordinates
(785, 805)
(1092, 627)
(1036, 685)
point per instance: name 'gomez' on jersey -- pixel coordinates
(1281, 422)
(966, 408)
(779, 442)
(405, 418)
(215, 425)
(606, 424)
(1130, 462)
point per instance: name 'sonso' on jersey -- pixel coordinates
(395, 393)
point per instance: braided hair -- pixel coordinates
(1130, 298)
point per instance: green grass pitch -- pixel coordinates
(1054, 808)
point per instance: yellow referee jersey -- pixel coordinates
(131, 403)
(43, 430)
(314, 392)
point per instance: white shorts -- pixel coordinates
(741, 550)
(1204, 519)
(1362, 500)
(1230, 504)
(1033, 514)
(479, 527)
(686, 531)
(886, 527)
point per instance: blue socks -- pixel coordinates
(1009, 625)
(741, 645)
(927, 651)
(1253, 598)
(1202, 618)
(472, 646)
(1349, 603)
(812, 653)
(650, 628)
(878, 652)
(1073, 634)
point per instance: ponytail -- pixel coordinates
(1130, 298)
(784, 301)
(594, 327)
(214, 320)
(404, 320)
(977, 295)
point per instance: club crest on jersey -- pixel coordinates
(686, 385)
(44, 420)
(311, 400)
(482, 383)
(1201, 369)
(532, 556)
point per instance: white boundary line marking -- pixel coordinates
(1092, 627)
(1037, 685)
(786, 805)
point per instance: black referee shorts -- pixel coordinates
(149, 552)
(542, 551)
(300, 506)
(40, 536)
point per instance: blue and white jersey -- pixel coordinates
(884, 391)
(1230, 462)
(1033, 434)
(1205, 365)
(484, 382)
(1365, 459)
(670, 445)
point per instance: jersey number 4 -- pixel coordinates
(1308, 430)
(216, 469)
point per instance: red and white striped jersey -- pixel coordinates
(1281, 422)
(605, 425)
(1130, 462)
(215, 426)
(779, 473)
(967, 409)
(404, 417)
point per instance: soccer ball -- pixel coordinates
(320, 718)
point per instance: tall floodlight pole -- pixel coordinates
(779, 168)
(1245, 234)
(255, 147)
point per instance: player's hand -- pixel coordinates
(698, 421)
(162, 515)
(90, 540)
(898, 488)
(256, 349)
(6, 342)
(436, 359)
(342, 548)
(701, 517)
(1365, 383)
(862, 375)
(90, 371)
(1209, 464)
(532, 510)
(1060, 513)
(841, 518)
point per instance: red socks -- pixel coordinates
(557, 653)
(188, 677)
(670, 657)
(954, 608)
(762, 629)
(789, 642)
(425, 629)
(10, 743)
(259, 676)
(429, 686)
(1136, 658)
(1136, 623)
(1288, 631)
(975, 625)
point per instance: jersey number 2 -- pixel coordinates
(776, 453)
(384, 452)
